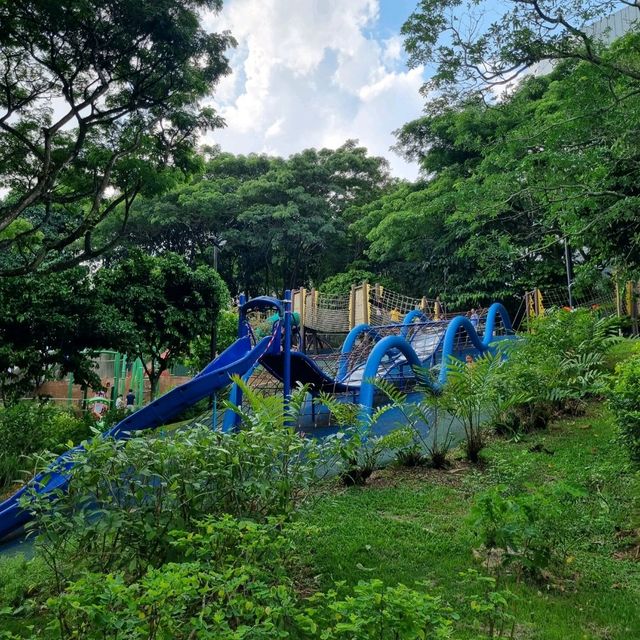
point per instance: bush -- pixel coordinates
(469, 395)
(356, 451)
(529, 530)
(374, 611)
(20, 579)
(624, 400)
(555, 368)
(125, 497)
(229, 580)
(232, 579)
(30, 427)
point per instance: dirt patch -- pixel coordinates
(8, 492)
(631, 541)
(393, 477)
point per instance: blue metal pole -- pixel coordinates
(287, 348)
(242, 331)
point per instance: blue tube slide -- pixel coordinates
(239, 358)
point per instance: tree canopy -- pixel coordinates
(164, 306)
(474, 52)
(99, 102)
(285, 222)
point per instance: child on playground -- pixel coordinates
(131, 400)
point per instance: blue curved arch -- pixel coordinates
(390, 343)
(448, 343)
(349, 342)
(496, 309)
(481, 344)
(410, 317)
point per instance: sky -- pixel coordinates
(314, 73)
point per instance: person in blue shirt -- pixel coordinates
(475, 318)
(131, 400)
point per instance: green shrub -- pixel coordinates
(470, 395)
(125, 497)
(21, 579)
(233, 579)
(624, 400)
(553, 369)
(375, 611)
(229, 580)
(530, 530)
(29, 427)
(355, 451)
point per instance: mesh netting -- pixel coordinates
(597, 298)
(327, 313)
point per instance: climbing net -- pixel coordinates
(600, 299)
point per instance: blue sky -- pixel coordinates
(313, 73)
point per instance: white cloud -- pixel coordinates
(306, 73)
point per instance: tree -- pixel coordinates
(165, 305)
(51, 325)
(506, 184)
(473, 54)
(285, 221)
(98, 104)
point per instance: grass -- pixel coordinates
(414, 526)
(621, 351)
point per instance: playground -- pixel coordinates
(320, 320)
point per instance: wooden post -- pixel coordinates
(527, 308)
(314, 308)
(303, 304)
(536, 305)
(365, 302)
(352, 307)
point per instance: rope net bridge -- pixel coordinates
(326, 318)
(604, 300)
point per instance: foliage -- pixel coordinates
(490, 606)
(378, 611)
(484, 55)
(125, 497)
(469, 396)
(164, 304)
(30, 427)
(356, 449)
(50, 326)
(284, 221)
(340, 283)
(528, 529)
(126, 78)
(426, 431)
(505, 184)
(557, 366)
(21, 579)
(624, 400)
(229, 580)
(226, 335)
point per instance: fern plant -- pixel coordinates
(356, 449)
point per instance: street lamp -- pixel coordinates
(217, 245)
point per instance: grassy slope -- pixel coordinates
(414, 526)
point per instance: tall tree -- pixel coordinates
(98, 104)
(474, 53)
(51, 325)
(164, 305)
(285, 221)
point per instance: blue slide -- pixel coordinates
(239, 358)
